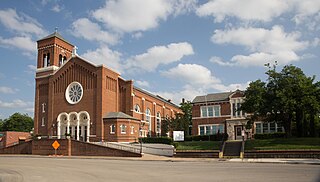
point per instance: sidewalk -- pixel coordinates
(149, 157)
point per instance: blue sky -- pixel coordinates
(175, 48)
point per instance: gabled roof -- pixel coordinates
(224, 96)
(118, 115)
(155, 96)
(55, 34)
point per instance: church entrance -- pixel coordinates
(74, 125)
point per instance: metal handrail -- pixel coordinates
(118, 146)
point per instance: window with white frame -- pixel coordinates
(235, 107)
(137, 108)
(210, 111)
(132, 129)
(42, 121)
(112, 129)
(43, 107)
(148, 115)
(268, 127)
(211, 129)
(158, 124)
(123, 129)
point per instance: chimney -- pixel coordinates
(183, 100)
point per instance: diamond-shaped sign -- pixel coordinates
(56, 145)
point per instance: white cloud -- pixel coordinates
(7, 90)
(158, 55)
(22, 24)
(246, 10)
(92, 31)
(140, 15)
(142, 83)
(32, 67)
(316, 42)
(137, 35)
(23, 43)
(198, 80)
(263, 44)
(106, 56)
(128, 16)
(56, 8)
(15, 104)
(193, 74)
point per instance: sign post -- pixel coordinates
(55, 145)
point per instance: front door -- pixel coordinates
(238, 130)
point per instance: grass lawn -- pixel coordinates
(283, 144)
(198, 145)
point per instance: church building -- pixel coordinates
(89, 102)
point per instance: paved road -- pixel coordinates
(91, 170)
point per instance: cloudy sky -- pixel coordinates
(175, 48)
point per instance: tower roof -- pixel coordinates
(55, 34)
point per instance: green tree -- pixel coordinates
(180, 122)
(288, 97)
(1, 124)
(18, 122)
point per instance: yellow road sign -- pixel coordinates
(56, 145)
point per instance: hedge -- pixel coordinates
(163, 140)
(215, 137)
(270, 135)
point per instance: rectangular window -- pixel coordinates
(238, 109)
(272, 128)
(123, 129)
(132, 129)
(265, 128)
(221, 128)
(216, 111)
(234, 109)
(204, 111)
(279, 128)
(42, 121)
(258, 127)
(208, 130)
(214, 129)
(210, 111)
(201, 130)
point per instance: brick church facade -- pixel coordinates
(76, 98)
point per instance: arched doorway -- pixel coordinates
(77, 125)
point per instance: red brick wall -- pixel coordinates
(88, 149)
(44, 147)
(22, 148)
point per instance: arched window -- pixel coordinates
(158, 124)
(48, 59)
(123, 129)
(112, 129)
(148, 115)
(60, 60)
(45, 60)
(137, 108)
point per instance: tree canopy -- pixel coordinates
(288, 97)
(17, 122)
(181, 121)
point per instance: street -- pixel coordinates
(46, 169)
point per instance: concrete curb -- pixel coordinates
(147, 157)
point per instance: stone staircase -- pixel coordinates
(232, 149)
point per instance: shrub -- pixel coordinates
(215, 137)
(163, 140)
(270, 135)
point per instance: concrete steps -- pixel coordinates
(232, 149)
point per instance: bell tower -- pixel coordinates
(53, 52)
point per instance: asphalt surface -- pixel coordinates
(53, 169)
